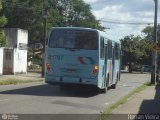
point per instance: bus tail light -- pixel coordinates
(95, 70)
(48, 66)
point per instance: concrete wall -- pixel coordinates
(1, 61)
(20, 61)
(17, 39)
(16, 36)
(22, 36)
(11, 34)
(20, 54)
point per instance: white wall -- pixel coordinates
(15, 37)
(20, 56)
(1, 61)
(20, 61)
(22, 36)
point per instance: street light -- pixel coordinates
(154, 53)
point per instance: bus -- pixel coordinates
(82, 56)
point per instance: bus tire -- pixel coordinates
(114, 85)
(106, 88)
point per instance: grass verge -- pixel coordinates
(14, 82)
(123, 100)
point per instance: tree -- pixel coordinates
(148, 33)
(3, 21)
(29, 15)
(135, 51)
(148, 36)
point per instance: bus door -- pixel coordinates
(113, 63)
(116, 61)
(104, 56)
(110, 61)
(106, 62)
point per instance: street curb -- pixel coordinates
(104, 115)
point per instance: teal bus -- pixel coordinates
(82, 56)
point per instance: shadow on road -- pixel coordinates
(151, 106)
(53, 90)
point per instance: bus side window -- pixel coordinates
(109, 49)
(117, 51)
(102, 48)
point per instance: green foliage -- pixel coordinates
(29, 15)
(34, 55)
(148, 36)
(3, 21)
(135, 51)
(136, 48)
(3, 39)
(148, 33)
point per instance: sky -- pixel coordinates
(124, 11)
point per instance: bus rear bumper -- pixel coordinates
(71, 80)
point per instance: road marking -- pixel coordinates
(4, 100)
(106, 103)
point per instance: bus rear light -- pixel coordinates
(95, 70)
(96, 67)
(48, 66)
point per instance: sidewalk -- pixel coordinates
(29, 76)
(146, 102)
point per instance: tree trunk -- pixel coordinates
(130, 67)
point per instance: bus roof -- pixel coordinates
(76, 28)
(101, 33)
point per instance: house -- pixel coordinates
(13, 57)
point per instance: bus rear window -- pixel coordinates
(74, 39)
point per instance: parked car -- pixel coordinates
(146, 68)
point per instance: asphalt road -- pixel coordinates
(41, 98)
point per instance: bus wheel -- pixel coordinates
(104, 90)
(114, 85)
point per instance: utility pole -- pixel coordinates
(154, 53)
(45, 16)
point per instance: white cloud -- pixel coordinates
(90, 1)
(112, 13)
(123, 11)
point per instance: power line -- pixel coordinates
(129, 23)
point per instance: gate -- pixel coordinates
(8, 61)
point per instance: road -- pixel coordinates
(41, 98)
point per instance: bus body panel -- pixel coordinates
(75, 66)
(71, 66)
(116, 71)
